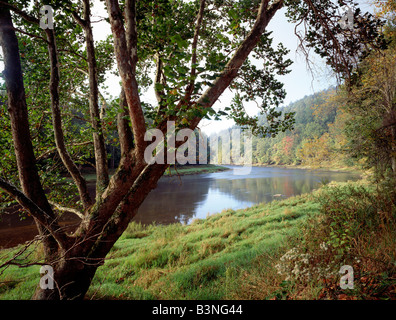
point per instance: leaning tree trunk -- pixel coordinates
(16, 100)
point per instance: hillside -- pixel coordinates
(316, 140)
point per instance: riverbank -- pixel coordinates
(347, 169)
(193, 169)
(279, 250)
(90, 175)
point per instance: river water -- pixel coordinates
(182, 199)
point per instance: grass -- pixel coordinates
(193, 169)
(198, 261)
(237, 254)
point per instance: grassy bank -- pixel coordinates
(330, 167)
(289, 249)
(193, 169)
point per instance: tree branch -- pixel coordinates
(31, 35)
(21, 13)
(264, 16)
(190, 87)
(124, 130)
(158, 76)
(126, 66)
(65, 209)
(57, 123)
(40, 215)
(102, 170)
(48, 152)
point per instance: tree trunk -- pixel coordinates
(71, 282)
(16, 100)
(102, 173)
(393, 144)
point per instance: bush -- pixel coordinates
(356, 227)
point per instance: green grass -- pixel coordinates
(201, 260)
(193, 169)
(205, 260)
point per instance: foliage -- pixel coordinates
(371, 104)
(317, 137)
(355, 227)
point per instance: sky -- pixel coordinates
(298, 83)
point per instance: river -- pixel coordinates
(182, 199)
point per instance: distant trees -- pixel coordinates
(317, 139)
(353, 125)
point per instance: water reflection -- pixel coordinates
(188, 197)
(181, 200)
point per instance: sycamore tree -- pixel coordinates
(194, 51)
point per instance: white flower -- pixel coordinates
(324, 246)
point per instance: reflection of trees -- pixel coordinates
(176, 200)
(173, 200)
(262, 189)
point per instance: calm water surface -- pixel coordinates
(195, 196)
(182, 199)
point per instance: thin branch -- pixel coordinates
(102, 170)
(191, 85)
(65, 209)
(57, 122)
(158, 76)
(80, 21)
(21, 13)
(131, 31)
(264, 16)
(124, 130)
(48, 152)
(104, 102)
(31, 34)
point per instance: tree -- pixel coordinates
(197, 50)
(370, 102)
(371, 105)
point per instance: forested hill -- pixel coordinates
(316, 140)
